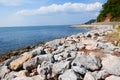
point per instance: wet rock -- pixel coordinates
(111, 64)
(69, 75)
(60, 67)
(45, 70)
(89, 76)
(31, 64)
(113, 78)
(16, 64)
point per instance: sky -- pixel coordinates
(48, 12)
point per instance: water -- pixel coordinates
(12, 38)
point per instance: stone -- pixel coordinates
(38, 77)
(3, 71)
(10, 76)
(45, 70)
(30, 64)
(69, 75)
(113, 78)
(89, 76)
(89, 62)
(111, 64)
(60, 67)
(59, 50)
(38, 51)
(45, 57)
(22, 73)
(16, 64)
(79, 69)
(100, 75)
(72, 47)
(90, 44)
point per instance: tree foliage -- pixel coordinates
(111, 7)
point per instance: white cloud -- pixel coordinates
(66, 7)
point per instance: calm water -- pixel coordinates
(12, 38)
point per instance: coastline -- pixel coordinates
(62, 57)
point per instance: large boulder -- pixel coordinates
(60, 67)
(38, 77)
(88, 62)
(30, 64)
(111, 64)
(16, 64)
(89, 76)
(69, 75)
(45, 57)
(3, 71)
(45, 70)
(113, 78)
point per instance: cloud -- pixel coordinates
(64, 8)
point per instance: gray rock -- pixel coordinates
(111, 64)
(45, 70)
(79, 69)
(72, 47)
(31, 64)
(60, 67)
(3, 71)
(59, 50)
(80, 46)
(89, 62)
(55, 43)
(69, 75)
(38, 51)
(45, 57)
(100, 75)
(89, 76)
(113, 78)
(10, 76)
(108, 47)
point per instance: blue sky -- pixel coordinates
(47, 12)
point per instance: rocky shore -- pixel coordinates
(84, 56)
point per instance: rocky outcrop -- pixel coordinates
(84, 56)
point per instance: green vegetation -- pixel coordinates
(114, 36)
(111, 8)
(90, 21)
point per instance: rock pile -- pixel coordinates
(84, 56)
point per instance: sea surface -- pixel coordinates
(13, 38)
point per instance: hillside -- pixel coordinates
(110, 11)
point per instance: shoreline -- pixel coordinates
(84, 56)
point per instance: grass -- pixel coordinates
(114, 37)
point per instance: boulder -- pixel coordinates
(60, 67)
(3, 71)
(16, 64)
(111, 64)
(88, 62)
(89, 76)
(10, 76)
(45, 57)
(69, 75)
(30, 64)
(113, 78)
(22, 73)
(90, 44)
(38, 77)
(45, 70)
